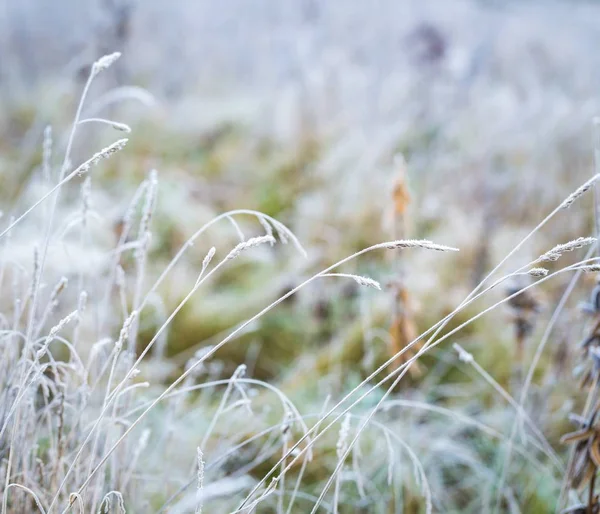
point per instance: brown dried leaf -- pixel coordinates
(578, 435)
(402, 332)
(595, 452)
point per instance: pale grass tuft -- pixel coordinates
(148, 209)
(590, 268)
(342, 442)
(555, 253)
(538, 272)
(578, 192)
(205, 262)
(105, 153)
(200, 478)
(55, 330)
(124, 334)
(366, 281)
(419, 243)
(105, 62)
(36, 271)
(341, 448)
(121, 127)
(250, 243)
(359, 279)
(208, 258)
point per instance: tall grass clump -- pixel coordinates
(90, 422)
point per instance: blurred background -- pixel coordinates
(352, 122)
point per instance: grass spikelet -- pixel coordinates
(359, 279)
(105, 62)
(579, 192)
(205, 262)
(367, 282)
(200, 479)
(555, 253)
(62, 323)
(538, 272)
(590, 268)
(342, 442)
(341, 447)
(419, 243)
(208, 258)
(105, 153)
(35, 275)
(149, 204)
(250, 243)
(55, 330)
(124, 334)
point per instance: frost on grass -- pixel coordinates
(105, 62)
(590, 268)
(359, 279)
(555, 253)
(538, 272)
(250, 243)
(419, 243)
(570, 200)
(105, 153)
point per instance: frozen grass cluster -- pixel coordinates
(72, 390)
(90, 423)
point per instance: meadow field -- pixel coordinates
(299, 256)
